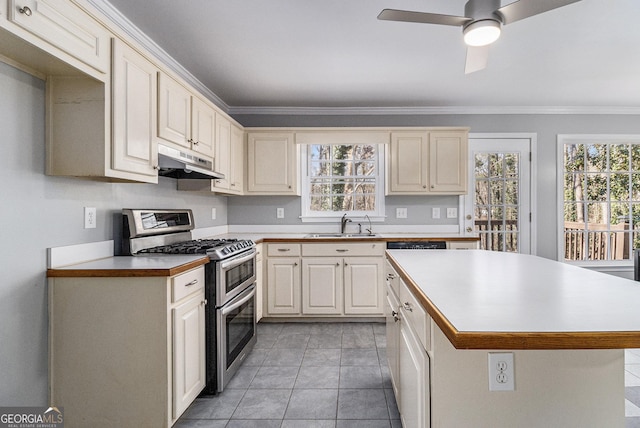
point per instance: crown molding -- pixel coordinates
(442, 110)
(134, 33)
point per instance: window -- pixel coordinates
(342, 178)
(600, 197)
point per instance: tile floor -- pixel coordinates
(306, 375)
(321, 375)
(632, 388)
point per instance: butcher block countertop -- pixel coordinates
(492, 300)
(127, 266)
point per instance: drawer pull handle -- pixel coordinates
(394, 314)
(195, 281)
(342, 250)
(204, 302)
(284, 249)
(25, 10)
(391, 276)
(407, 306)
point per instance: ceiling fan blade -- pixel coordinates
(422, 17)
(477, 58)
(522, 9)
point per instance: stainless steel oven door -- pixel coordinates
(234, 275)
(236, 334)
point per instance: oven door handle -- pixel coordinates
(238, 260)
(235, 305)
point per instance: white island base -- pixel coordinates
(553, 388)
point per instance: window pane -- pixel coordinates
(496, 192)
(619, 214)
(495, 165)
(511, 192)
(596, 157)
(619, 157)
(596, 187)
(482, 166)
(619, 187)
(511, 163)
(574, 157)
(597, 216)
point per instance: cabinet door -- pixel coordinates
(236, 183)
(283, 286)
(188, 353)
(223, 151)
(203, 125)
(448, 162)
(174, 111)
(414, 380)
(408, 162)
(393, 321)
(64, 26)
(322, 285)
(272, 164)
(363, 285)
(134, 113)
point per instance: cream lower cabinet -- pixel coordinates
(321, 280)
(429, 161)
(408, 338)
(126, 351)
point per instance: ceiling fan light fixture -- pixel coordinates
(481, 33)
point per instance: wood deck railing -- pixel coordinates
(595, 243)
(496, 233)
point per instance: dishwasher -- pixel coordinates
(416, 245)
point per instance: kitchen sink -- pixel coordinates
(342, 235)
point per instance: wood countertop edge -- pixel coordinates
(116, 273)
(376, 239)
(490, 340)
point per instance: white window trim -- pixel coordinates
(330, 217)
(563, 139)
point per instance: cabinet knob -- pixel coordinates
(407, 306)
(394, 314)
(433, 186)
(289, 187)
(190, 141)
(25, 11)
(156, 167)
(295, 263)
(424, 186)
(469, 229)
(204, 302)
(337, 263)
(195, 143)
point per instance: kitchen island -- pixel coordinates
(565, 327)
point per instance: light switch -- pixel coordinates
(280, 212)
(435, 212)
(401, 213)
(452, 213)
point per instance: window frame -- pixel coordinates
(586, 139)
(376, 215)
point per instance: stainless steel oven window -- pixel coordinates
(236, 333)
(239, 274)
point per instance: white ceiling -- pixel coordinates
(335, 53)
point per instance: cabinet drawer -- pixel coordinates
(347, 249)
(64, 26)
(392, 278)
(284, 250)
(415, 315)
(186, 284)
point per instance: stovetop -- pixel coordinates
(216, 249)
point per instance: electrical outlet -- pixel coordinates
(452, 213)
(435, 212)
(401, 213)
(501, 372)
(213, 213)
(279, 212)
(90, 220)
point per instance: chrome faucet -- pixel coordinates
(369, 229)
(343, 222)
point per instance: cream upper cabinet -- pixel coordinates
(448, 162)
(134, 112)
(408, 162)
(428, 162)
(236, 182)
(184, 119)
(272, 164)
(62, 29)
(229, 159)
(105, 130)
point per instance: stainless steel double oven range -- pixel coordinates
(230, 313)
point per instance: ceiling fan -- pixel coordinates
(481, 23)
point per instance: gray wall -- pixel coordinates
(38, 212)
(547, 127)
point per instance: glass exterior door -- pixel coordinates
(498, 206)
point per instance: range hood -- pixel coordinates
(181, 164)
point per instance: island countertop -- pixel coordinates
(491, 300)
